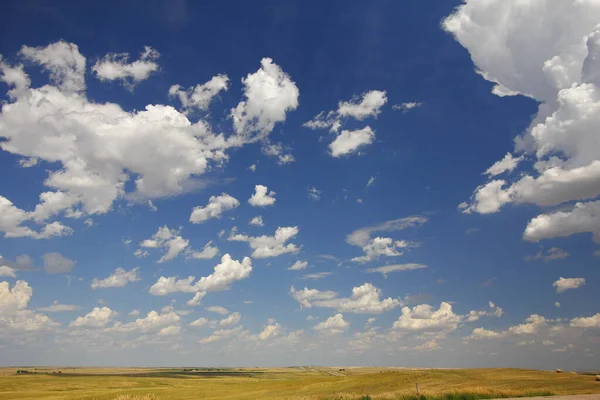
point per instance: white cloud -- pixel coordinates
(199, 323)
(406, 107)
(530, 327)
(349, 142)
(365, 299)
(231, 320)
(14, 314)
(119, 278)
(256, 221)
(556, 304)
(298, 265)
(583, 217)
(63, 61)
(261, 198)
(151, 206)
(554, 253)
(6, 271)
(171, 330)
(507, 164)
(314, 193)
(548, 52)
(270, 94)
(369, 106)
(362, 236)
(221, 334)
(380, 246)
(215, 208)
(56, 263)
(139, 253)
(422, 318)
(200, 96)
(278, 150)
(225, 273)
(57, 307)
(217, 309)
(494, 311)
(99, 317)
(157, 152)
(11, 218)
(153, 322)
(586, 322)
(386, 269)
(252, 168)
(168, 239)
(270, 246)
(208, 251)
(564, 284)
(332, 325)
(371, 181)
(115, 66)
(134, 313)
(273, 329)
(317, 275)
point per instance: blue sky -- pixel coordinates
(435, 174)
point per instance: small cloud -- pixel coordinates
(488, 282)
(88, 222)
(252, 168)
(406, 107)
(152, 207)
(56, 263)
(552, 254)
(318, 275)
(471, 231)
(314, 194)
(248, 301)
(139, 253)
(359, 201)
(371, 181)
(440, 281)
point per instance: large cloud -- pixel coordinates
(548, 51)
(93, 150)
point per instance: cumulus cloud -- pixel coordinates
(531, 326)
(386, 269)
(272, 330)
(224, 274)
(119, 278)
(332, 325)
(365, 299)
(586, 322)
(582, 218)
(549, 53)
(215, 208)
(170, 240)
(564, 284)
(200, 322)
(423, 318)
(99, 317)
(221, 335)
(261, 198)
(270, 246)
(99, 153)
(115, 66)
(152, 322)
(270, 94)
(6, 271)
(359, 108)
(256, 221)
(278, 150)
(349, 142)
(208, 251)
(380, 246)
(14, 314)
(298, 266)
(200, 96)
(56, 263)
(231, 320)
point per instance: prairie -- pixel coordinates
(294, 383)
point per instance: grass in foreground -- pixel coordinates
(293, 384)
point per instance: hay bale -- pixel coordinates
(597, 378)
(558, 371)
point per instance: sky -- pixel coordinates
(300, 183)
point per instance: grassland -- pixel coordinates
(305, 383)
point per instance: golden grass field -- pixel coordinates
(305, 383)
